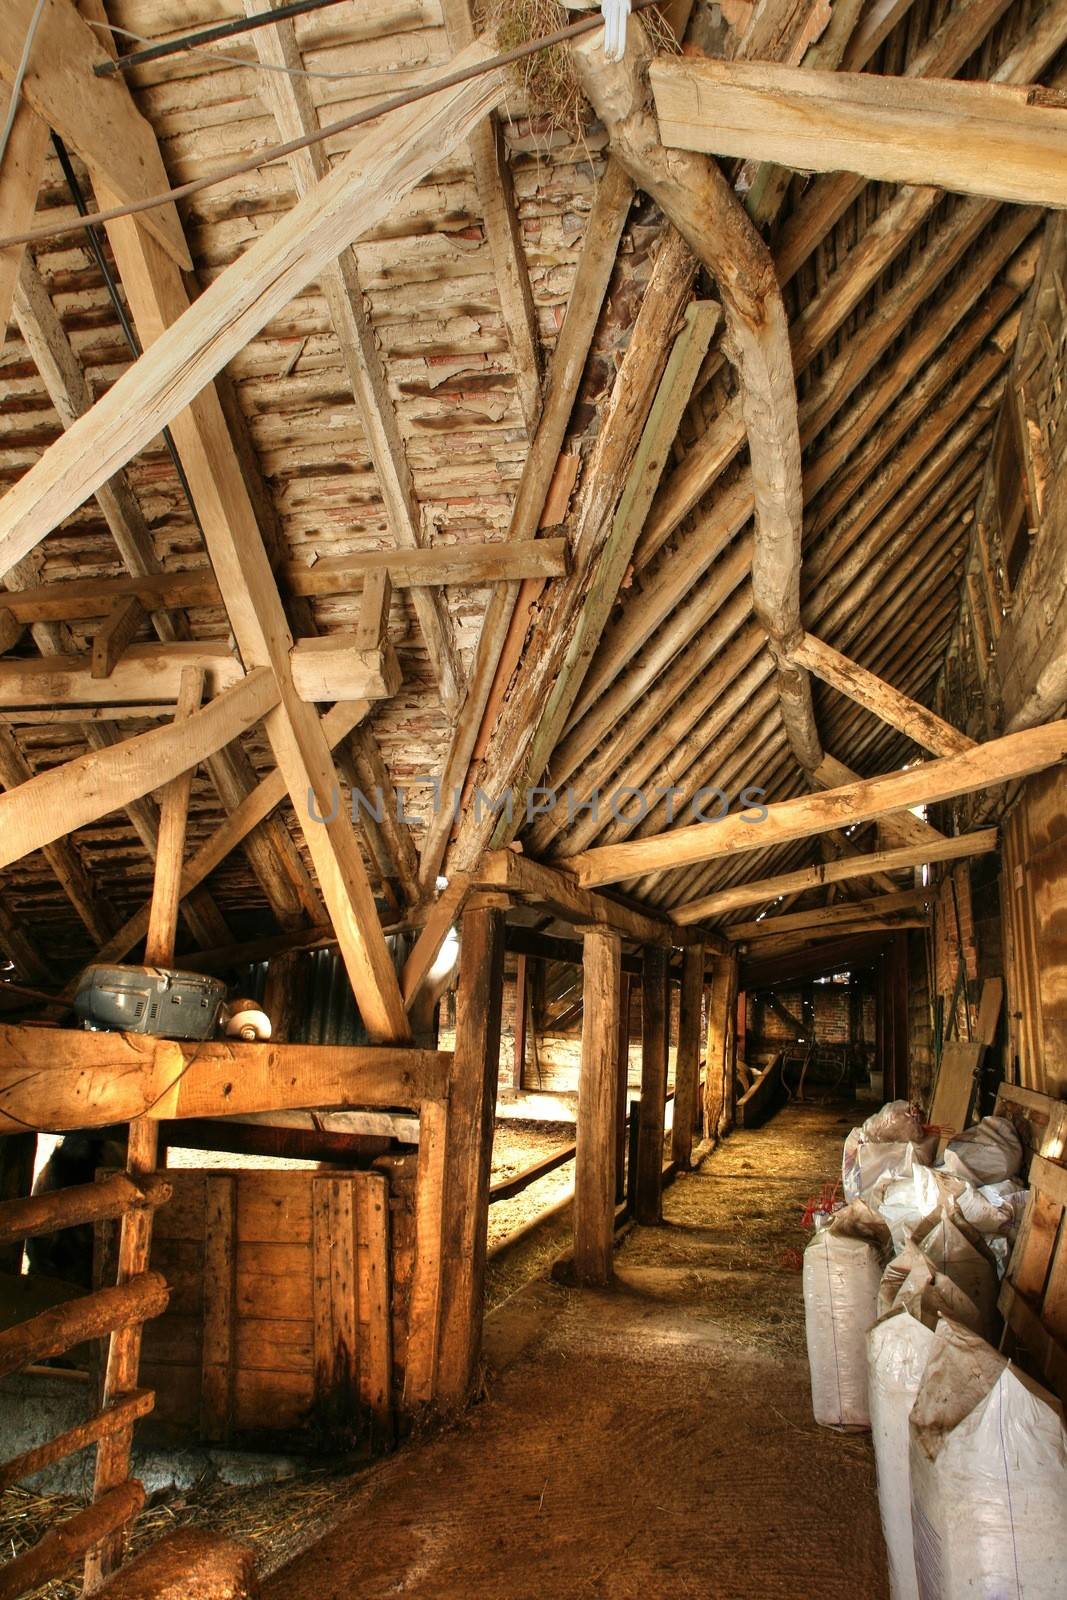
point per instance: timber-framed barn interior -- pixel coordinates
(533, 838)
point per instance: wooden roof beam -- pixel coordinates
(817, 918)
(271, 853)
(871, 692)
(77, 599)
(755, 892)
(970, 137)
(20, 180)
(986, 766)
(56, 802)
(698, 200)
(96, 116)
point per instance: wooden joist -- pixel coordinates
(76, 599)
(556, 891)
(875, 695)
(56, 802)
(103, 126)
(818, 917)
(325, 669)
(55, 1079)
(1015, 756)
(852, 866)
(976, 138)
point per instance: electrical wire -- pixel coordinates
(227, 58)
(193, 41)
(277, 152)
(16, 84)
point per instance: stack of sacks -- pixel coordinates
(891, 1140)
(911, 1282)
(842, 1272)
(912, 1299)
(988, 1463)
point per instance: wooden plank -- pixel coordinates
(427, 947)
(469, 1132)
(987, 766)
(122, 1414)
(335, 668)
(649, 396)
(758, 890)
(52, 1332)
(257, 805)
(61, 856)
(373, 1262)
(499, 209)
(424, 1302)
(20, 181)
(96, 116)
(552, 887)
(594, 1169)
(493, 666)
(55, 1079)
(78, 1204)
(701, 204)
(925, 727)
(217, 1352)
(57, 1551)
(687, 1063)
(56, 802)
(78, 599)
(173, 821)
(718, 1072)
(114, 634)
(817, 917)
(972, 137)
(954, 1085)
(655, 1019)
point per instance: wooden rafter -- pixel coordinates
(976, 138)
(881, 698)
(288, 96)
(1015, 756)
(56, 802)
(756, 891)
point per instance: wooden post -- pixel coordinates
(622, 1087)
(468, 1154)
(594, 1171)
(648, 1192)
(520, 1022)
(897, 1086)
(718, 1088)
(687, 1063)
(283, 993)
(135, 1239)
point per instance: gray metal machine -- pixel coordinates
(156, 1000)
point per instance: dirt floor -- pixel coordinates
(649, 1440)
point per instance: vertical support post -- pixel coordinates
(719, 1095)
(648, 1190)
(135, 1239)
(897, 1083)
(687, 1062)
(622, 1087)
(282, 993)
(594, 1168)
(520, 1022)
(469, 1147)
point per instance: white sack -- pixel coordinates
(957, 1250)
(842, 1270)
(882, 1139)
(911, 1282)
(988, 1458)
(987, 1153)
(898, 1348)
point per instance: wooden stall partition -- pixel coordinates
(123, 1307)
(280, 1321)
(1032, 889)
